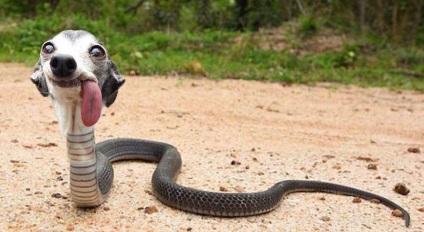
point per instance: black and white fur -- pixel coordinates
(76, 45)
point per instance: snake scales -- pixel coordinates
(211, 203)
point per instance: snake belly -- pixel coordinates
(204, 202)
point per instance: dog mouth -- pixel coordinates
(67, 84)
(72, 83)
(91, 97)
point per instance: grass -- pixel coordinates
(219, 55)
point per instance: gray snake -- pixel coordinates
(204, 202)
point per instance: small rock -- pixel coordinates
(372, 166)
(223, 189)
(14, 161)
(366, 159)
(414, 150)
(106, 208)
(189, 229)
(239, 189)
(397, 213)
(401, 189)
(325, 218)
(337, 167)
(47, 144)
(150, 209)
(375, 201)
(421, 209)
(357, 200)
(57, 195)
(234, 162)
(322, 198)
(59, 178)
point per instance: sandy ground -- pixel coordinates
(233, 135)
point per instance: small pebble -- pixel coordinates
(357, 200)
(325, 218)
(401, 189)
(372, 166)
(223, 189)
(397, 213)
(150, 209)
(239, 189)
(57, 195)
(234, 162)
(414, 150)
(421, 209)
(337, 167)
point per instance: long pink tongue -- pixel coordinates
(91, 103)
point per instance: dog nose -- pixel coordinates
(63, 65)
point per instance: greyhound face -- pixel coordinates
(74, 69)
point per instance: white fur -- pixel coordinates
(67, 101)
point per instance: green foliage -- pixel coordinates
(308, 26)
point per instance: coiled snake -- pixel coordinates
(211, 203)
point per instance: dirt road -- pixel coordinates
(233, 135)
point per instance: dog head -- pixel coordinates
(69, 59)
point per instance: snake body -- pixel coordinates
(204, 202)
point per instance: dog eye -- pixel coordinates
(48, 48)
(97, 52)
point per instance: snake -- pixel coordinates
(209, 203)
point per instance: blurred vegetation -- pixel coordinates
(368, 43)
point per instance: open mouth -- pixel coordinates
(67, 84)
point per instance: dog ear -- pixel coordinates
(38, 78)
(113, 82)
